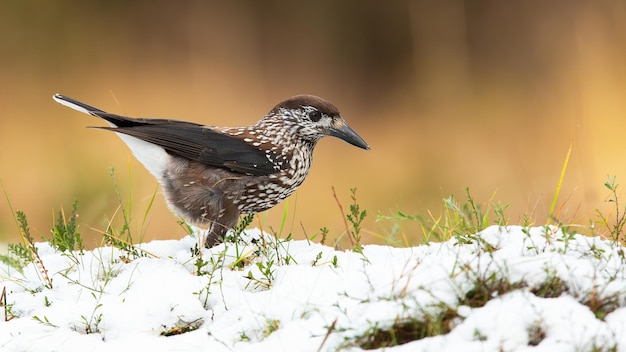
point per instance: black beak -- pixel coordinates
(341, 130)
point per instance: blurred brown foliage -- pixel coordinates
(449, 94)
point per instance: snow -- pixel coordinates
(264, 294)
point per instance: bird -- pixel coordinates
(211, 175)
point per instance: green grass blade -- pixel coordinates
(559, 184)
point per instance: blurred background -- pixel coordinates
(449, 94)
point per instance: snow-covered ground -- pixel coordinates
(543, 288)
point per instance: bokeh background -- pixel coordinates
(450, 94)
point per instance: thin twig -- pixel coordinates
(305, 234)
(330, 331)
(3, 302)
(343, 216)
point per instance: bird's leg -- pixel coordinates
(215, 234)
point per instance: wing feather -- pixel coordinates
(204, 145)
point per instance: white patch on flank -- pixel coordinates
(153, 157)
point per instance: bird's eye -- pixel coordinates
(315, 115)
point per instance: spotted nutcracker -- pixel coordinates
(210, 175)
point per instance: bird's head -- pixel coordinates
(311, 118)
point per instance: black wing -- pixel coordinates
(187, 139)
(202, 144)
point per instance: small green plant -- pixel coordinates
(65, 236)
(28, 251)
(240, 257)
(266, 270)
(355, 218)
(215, 264)
(44, 321)
(271, 325)
(469, 217)
(276, 249)
(551, 287)
(199, 262)
(479, 335)
(17, 257)
(242, 225)
(485, 287)
(317, 259)
(132, 252)
(615, 228)
(92, 322)
(405, 330)
(264, 253)
(28, 246)
(243, 336)
(269, 256)
(324, 233)
(601, 305)
(457, 219)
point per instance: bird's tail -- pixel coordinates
(77, 105)
(113, 119)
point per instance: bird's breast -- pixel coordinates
(265, 192)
